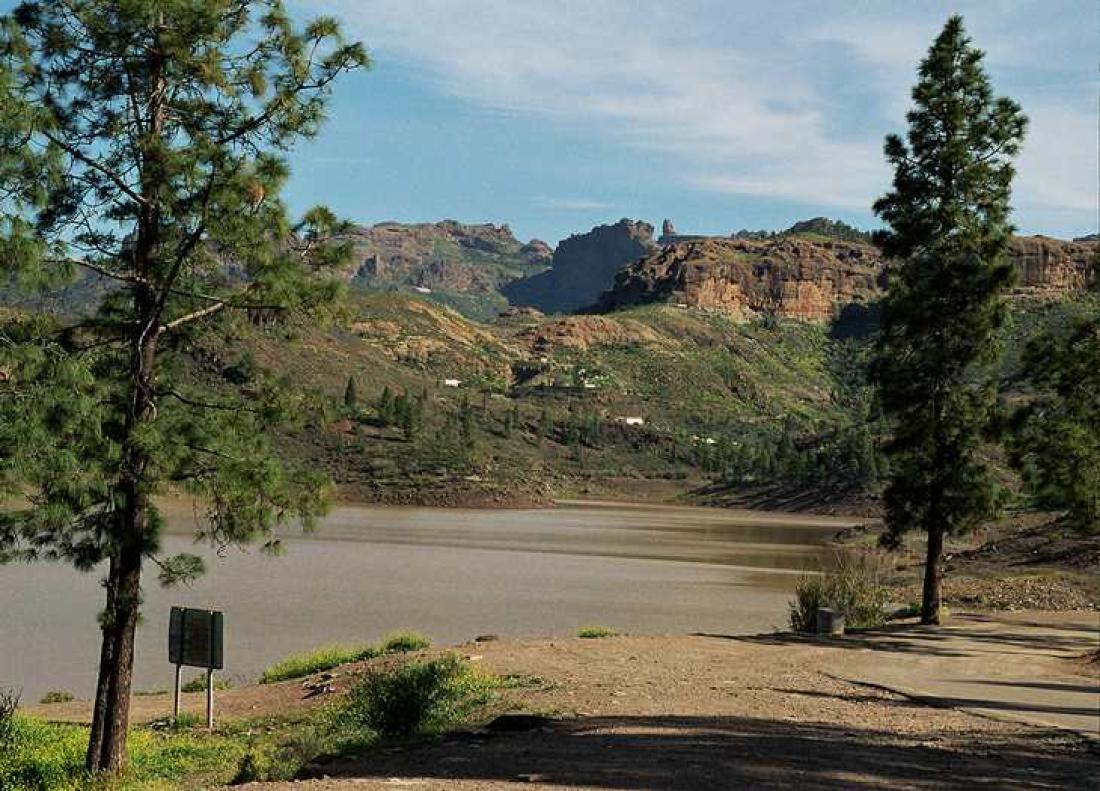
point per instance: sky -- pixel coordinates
(556, 115)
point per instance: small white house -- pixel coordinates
(631, 420)
(422, 290)
(452, 382)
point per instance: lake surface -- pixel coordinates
(450, 573)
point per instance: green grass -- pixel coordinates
(309, 662)
(198, 684)
(407, 697)
(403, 642)
(57, 696)
(330, 656)
(42, 756)
(595, 632)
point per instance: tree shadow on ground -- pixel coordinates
(1048, 685)
(929, 640)
(669, 753)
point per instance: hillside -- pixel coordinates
(464, 266)
(542, 403)
(722, 365)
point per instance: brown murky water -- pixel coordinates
(452, 574)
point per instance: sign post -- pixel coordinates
(195, 640)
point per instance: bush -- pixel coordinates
(198, 684)
(416, 697)
(324, 658)
(404, 642)
(595, 632)
(9, 702)
(852, 588)
(186, 720)
(56, 696)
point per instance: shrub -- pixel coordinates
(56, 696)
(852, 588)
(248, 771)
(186, 720)
(595, 632)
(324, 658)
(416, 697)
(404, 642)
(809, 597)
(9, 702)
(198, 684)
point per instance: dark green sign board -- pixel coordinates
(195, 638)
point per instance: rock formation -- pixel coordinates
(1050, 267)
(584, 265)
(786, 277)
(811, 279)
(448, 256)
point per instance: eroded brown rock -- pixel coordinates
(811, 279)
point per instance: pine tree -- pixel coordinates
(466, 424)
(351, 397)
(141, 144)
(408, 414)
(385, 407)
(1056, 437)
(948, 231)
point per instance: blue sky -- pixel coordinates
(554, 115)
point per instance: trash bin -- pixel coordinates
(830, 622)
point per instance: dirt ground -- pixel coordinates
(1024, 561)
(715, 711)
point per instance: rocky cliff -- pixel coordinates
(786, 277)
(447, 259)
(584, 265)
(810, 279)
(1048, 267)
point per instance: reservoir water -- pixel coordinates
(450, 573)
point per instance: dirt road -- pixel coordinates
(702, 712)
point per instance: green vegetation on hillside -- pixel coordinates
(541, 402)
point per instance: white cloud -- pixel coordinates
(728, 95)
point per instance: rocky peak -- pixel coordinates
(582, 267)
(446, 255)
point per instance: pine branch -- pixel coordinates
(115, 179)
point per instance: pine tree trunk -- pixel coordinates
(106, 660)
(933, 574)
(111, 716)
(107, 744)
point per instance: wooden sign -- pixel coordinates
(195, 638)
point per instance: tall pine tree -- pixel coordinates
(142, 145)
(1056, 437)
(948, 232)
(351, 395)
